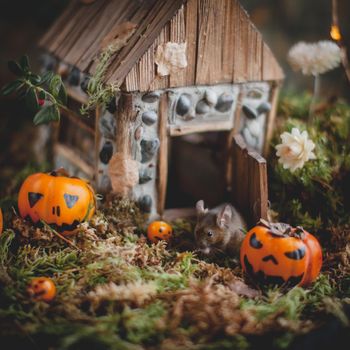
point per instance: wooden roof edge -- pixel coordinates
(147, 37)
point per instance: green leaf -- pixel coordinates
(31, 100)
(46, 77)
(57, 89)
(55, 85)
(11, 87)
(15, 68)
(47, 114)
(41, 95)
(62, 95)
(34, 79)
(24, 63)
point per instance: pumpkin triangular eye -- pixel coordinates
(70, 200)
(253, 241)
(296, 254)
(33, 198)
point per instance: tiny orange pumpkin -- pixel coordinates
(1, 222)
(61, 201)
(41, 289)
(159, 230)
(281, 255)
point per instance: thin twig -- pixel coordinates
(60, 236)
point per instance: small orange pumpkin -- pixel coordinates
(281, 255)
(41, 289)
(61, 201)
(1, 222)
(159, 230)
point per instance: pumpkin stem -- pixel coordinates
(59, 172)
(282, 229)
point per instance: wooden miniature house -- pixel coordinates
(188, 72)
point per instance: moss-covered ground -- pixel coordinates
(115, 290)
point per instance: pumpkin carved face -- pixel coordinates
(281, 255)
(1, 221)
(41, 289)
(60, 201)
(159, 230)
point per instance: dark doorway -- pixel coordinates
(197, 166)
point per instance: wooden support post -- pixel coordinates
(231, 134)
(163, 153)
(249, 182)
(123, 169)
(258, 191)
(125, 120)
(239, 175)
(270, 122)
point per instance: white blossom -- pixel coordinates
(296, 149)
(314, 58)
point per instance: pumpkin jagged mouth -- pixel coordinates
(261, 277)
(60, 228)
(65, 227)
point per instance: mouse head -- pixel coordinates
(211, 228)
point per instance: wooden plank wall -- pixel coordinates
(249, 182)
(223, 46)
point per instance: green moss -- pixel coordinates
(144, 325)
(115, 290)
(100, 93)
(297, 196)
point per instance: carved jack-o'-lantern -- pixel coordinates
(281, 255)
(159, 230)
(58, 200)
(41, 289)
(1, 221)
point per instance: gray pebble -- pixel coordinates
(264, 107)
(151, 97)
(249, 112)
(148, 149)
(145, 175)
(149, 117)
(202, 107)
(183, 104)
(145, 203)
(224, 103)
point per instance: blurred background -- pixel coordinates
(22, 22)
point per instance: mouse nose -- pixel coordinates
(205, 251)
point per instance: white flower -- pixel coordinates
(295, 149)
(314, 58)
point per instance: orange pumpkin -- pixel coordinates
(60, 201)
(281, 255)
(1, 222)
(159, 230)
(41, 289)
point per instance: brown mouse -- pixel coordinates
(220, 230)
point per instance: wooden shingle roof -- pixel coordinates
(222, 43)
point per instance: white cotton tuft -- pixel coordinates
(170, 58)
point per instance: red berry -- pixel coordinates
(41, 101)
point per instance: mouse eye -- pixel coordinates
(210, 234)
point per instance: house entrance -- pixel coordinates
(197, 168)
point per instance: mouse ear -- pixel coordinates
(224, 216)
(200, 208)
